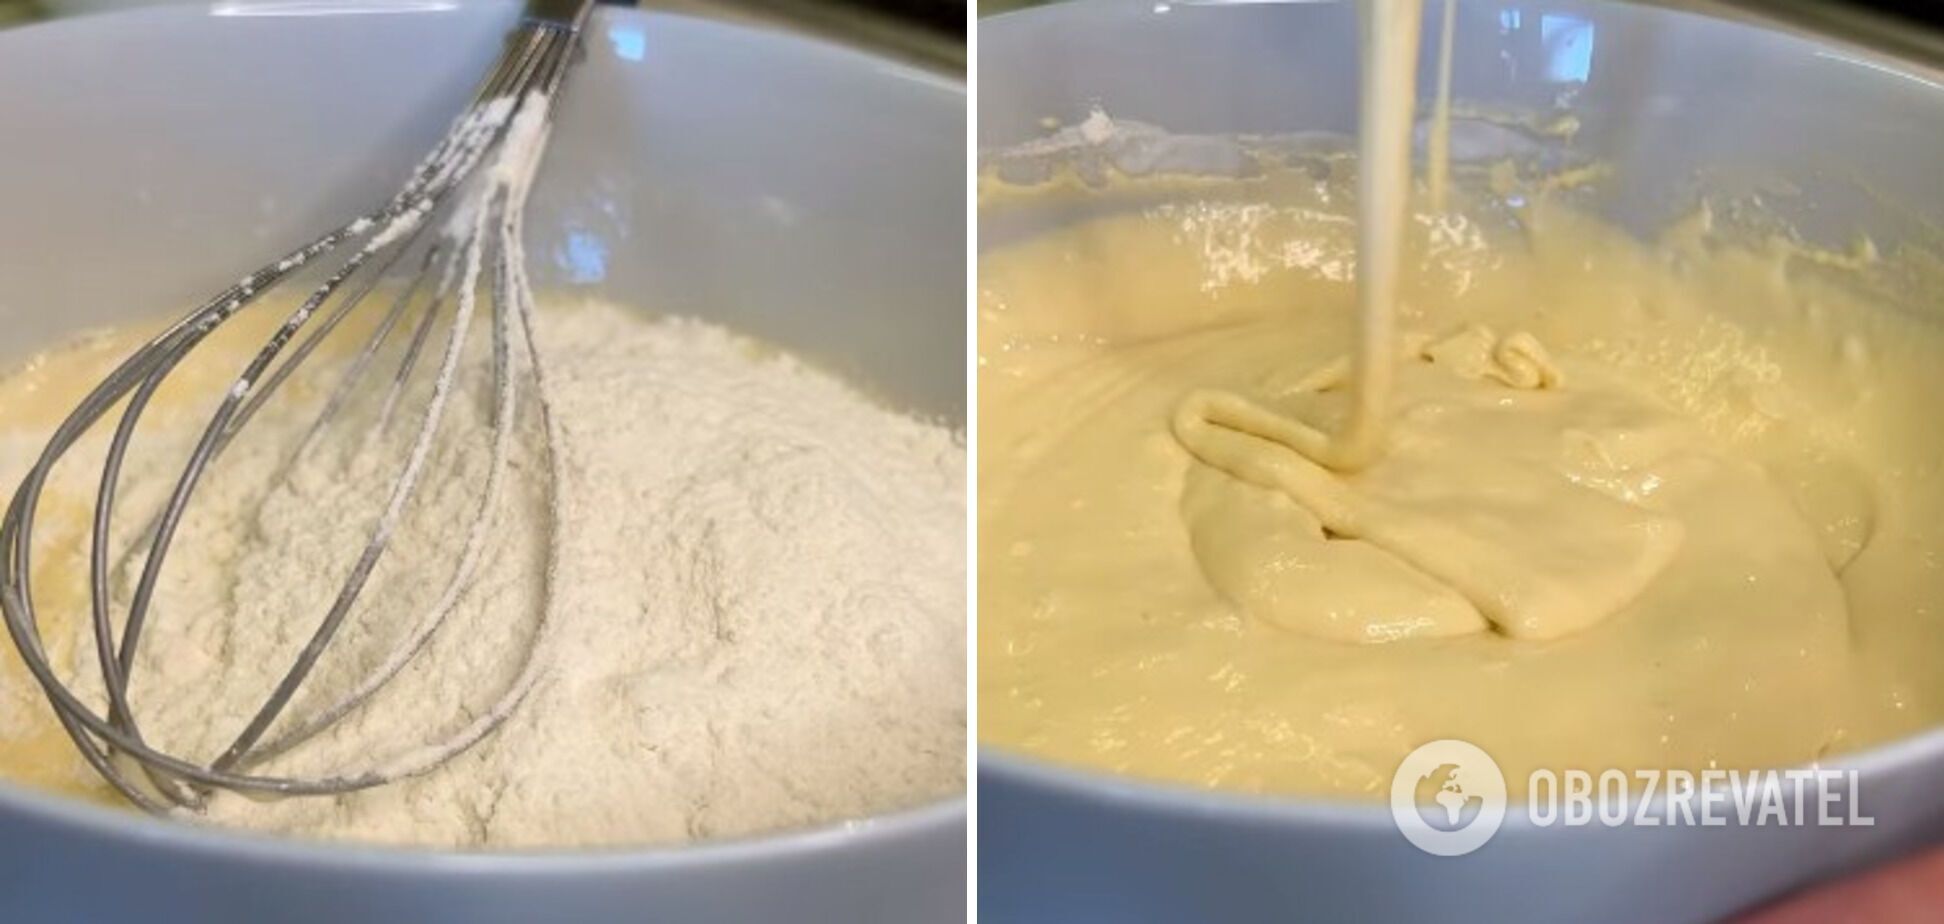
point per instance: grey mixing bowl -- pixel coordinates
(805, 194)
(1662, 95)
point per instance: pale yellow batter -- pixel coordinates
(1673, 506)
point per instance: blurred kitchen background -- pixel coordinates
(924, 33)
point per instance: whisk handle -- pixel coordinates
(564, 14)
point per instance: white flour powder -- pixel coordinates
(759, 616)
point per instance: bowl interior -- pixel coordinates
(1677, 104)
(1844, 142)
(799, 192)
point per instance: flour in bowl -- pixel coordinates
(758, 600)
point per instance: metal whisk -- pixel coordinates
(462, 208)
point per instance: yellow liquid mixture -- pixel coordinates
(34, 399)
(1638, 507)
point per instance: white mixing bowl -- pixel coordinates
(1661, 95)
(805, 194)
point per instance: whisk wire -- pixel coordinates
(528, 74)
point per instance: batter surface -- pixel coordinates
(1668, 507)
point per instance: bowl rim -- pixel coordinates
(1917, 750)
(273, 849)
(924, 820)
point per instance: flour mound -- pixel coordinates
(758, 622)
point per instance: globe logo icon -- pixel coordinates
(1445, 801)
(1448, 797)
